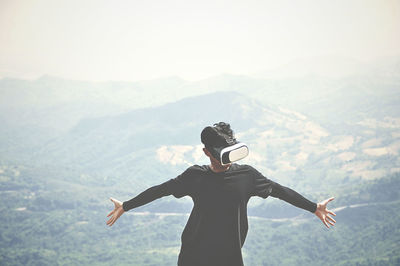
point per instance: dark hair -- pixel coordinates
(220, 135)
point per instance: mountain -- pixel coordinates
(122, 142)
(59, 104)
(63, 155)
(146, 146)
(318, 127)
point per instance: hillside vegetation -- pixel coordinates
(67, 146)
(43, 225)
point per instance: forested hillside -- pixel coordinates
(45, 226)
(67, 146)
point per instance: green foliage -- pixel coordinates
(65, 148)
(43, 224)
(362, 236)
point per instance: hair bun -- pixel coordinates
(219, 135)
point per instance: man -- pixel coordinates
(217, 226)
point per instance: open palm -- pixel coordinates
(323, 213)
(116, 213)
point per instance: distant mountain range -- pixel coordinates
(59, 104)
(304, 131)
(67, 146)
(149, 145)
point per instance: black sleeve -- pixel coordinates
(264, 187)
(292, 197)
(178, 187)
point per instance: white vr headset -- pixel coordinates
(230, 154)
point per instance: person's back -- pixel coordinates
(217, 226)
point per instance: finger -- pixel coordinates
(325, 223)
(111, 221)
(111, 213)
(111, 218)
(331, 219)
(325, 202)
(330, 212)
(329, 222)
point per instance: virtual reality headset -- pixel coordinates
(230, 154)
(221, 143)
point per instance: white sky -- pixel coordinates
(146, 39)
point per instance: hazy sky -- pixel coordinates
(135, 40)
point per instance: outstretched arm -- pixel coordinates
(292, 197)
(323, 213)
(143, 198)
(298, 200)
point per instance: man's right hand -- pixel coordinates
(323, 213)
(116, 213)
